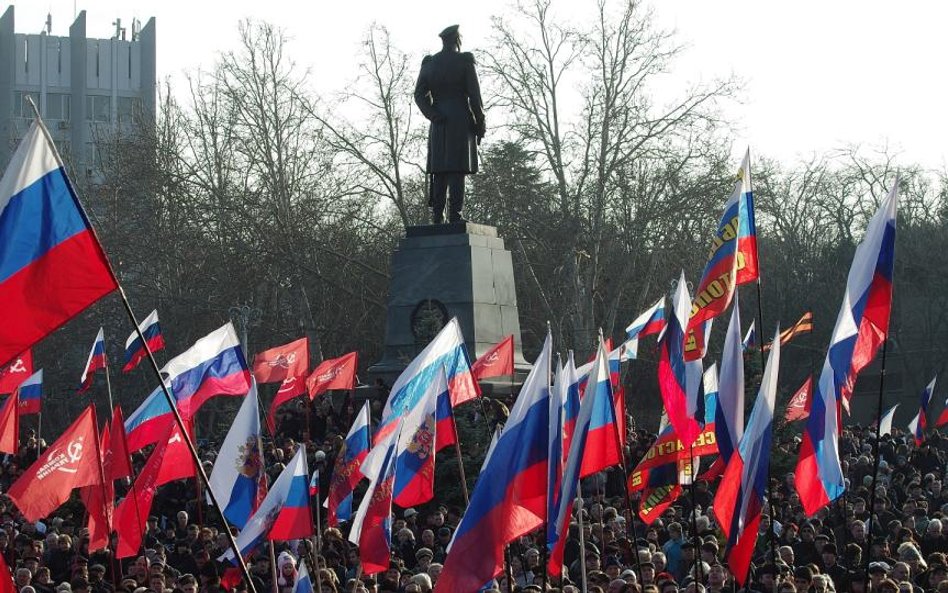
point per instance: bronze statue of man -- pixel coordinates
(449, 95)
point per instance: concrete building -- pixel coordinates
(86, 89)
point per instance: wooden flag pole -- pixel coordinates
(875, 454)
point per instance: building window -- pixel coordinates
(129, 108)
(58, 106)
(98, 108)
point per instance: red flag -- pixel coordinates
(71, 462)
(170, 461)
(290, 388)
(10, 425)
(6, 578)
(100, 500)
(116, 451)
(16, 372)
(276, 364)
(798, 407)
(335, 373)
(496, 362)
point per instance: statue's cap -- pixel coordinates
(449, 32)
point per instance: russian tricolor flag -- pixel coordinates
(283, 515)
(597, 400)
(943, 417)
(314, 486)
(31, 394)
(648, 323)
(415, 453)
(602, 447)
(750, 338)
(679, 381)
(372, 526)
(732, 261)
(148, 423)
(134, 346)
(237, 477)
(570, 399)
(214, 365)
(446, 350)
(96, 361)
(51, 265)
(740, 497)
(509, 498)
(861, 327)
(729, 416)
(920, 422)
(303, 584)
(345, 472)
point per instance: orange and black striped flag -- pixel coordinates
(804, 326)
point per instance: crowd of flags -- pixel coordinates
(566, 423)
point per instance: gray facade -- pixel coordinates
(86, 89)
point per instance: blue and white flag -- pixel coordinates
(235, 479)
(303, 583)
(729, 419)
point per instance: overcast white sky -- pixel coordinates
(819, 74)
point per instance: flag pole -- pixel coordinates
(694, 512)
(316, 543)
(108, 385)
(39, 430)
(151, 356)
(875, 453)
(582, 543)
(457, 449)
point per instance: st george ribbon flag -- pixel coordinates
(732, 261)
(739, 501)
(509, 498)
(446, 350)
(71, 462)
(283, 515)
(861, 327)
(96, 361)
(214, 365)
(135, 348)
(236, 479)
(16, 372)
(803, 326)
(345, 474)
(52, 267)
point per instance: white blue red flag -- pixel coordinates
(214, 365)
(31, 394)
(885, 423)
(303, 584)
(283, 515)
(732, 261)
(920, 422)
(314, 486)
(135, 349)
(445, 350)
(679, 381)
(96, 361)
(646, 324)
(943, 417)
(729, 420)
(51, 265)
(416, 447)
(372, 525)
(556, 452)
(345, 473)
(750, 338)
(237, 479)
(603, 445)
(147, 424)
(740, 497)
(597, 399)
(861, 327)
(509, 498)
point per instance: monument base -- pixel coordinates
(442, 271)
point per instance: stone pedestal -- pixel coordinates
(442, 271)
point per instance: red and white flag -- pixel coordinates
(71, 462)
(16, 372)
(335, 373)
(276, 364)
(496, 362)
(798, 407)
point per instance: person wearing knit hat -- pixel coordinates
(286, 571)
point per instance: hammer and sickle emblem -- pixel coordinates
(17, 367)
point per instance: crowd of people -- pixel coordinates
(902, 549)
